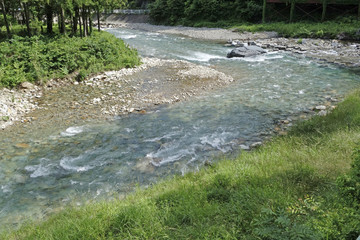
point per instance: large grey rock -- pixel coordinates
(246, 51)
(256, 48)
(27, 85)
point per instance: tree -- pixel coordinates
(5, 18)
(76, 12)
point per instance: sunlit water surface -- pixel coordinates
(106, 160)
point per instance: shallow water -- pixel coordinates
(108, 159)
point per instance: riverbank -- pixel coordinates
(65, 102)
(333, 51)
(288, 189)
(345, 53)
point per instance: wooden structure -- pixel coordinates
(324, 4)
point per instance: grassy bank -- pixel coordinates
(347, 29)
(344, 28)
(246, 16)
(39, 58)
(298, 186)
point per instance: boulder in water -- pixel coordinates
(246, 51)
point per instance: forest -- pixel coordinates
(32, 13)
(44, 39)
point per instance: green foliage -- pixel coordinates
(279, 225)
(10, 19)
(191, 12)
(40, 58)
(345, 117)
(350, 183)
(5, 118)
(329, 29)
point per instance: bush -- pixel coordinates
(40, 58)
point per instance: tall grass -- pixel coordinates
(286, 189)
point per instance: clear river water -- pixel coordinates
(107, 160)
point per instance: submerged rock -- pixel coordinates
(246, 51)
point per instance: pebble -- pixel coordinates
(322, 113)
(244, 147)
(22, 145)
(255, 144)
(320, 107)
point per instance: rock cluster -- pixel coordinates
(333, 51)
(15, 104)
(114, 93)
(245, 49)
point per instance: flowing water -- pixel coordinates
(106, 160)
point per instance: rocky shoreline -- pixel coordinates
(16, 104)
(331, 50)
(66, 102)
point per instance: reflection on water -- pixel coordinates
(103, 160)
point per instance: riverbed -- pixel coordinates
(71, 162)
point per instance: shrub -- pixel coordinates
(41, 58)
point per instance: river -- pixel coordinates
(106, 160)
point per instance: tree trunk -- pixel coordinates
(81, 33)
(49, 18)
(62, 21)
(75, 21)
(84, 21)
(27, 18)
(90, 22)
(292, 10)
(264, 12)
(98, 18)
(5, 18)
(22, 14)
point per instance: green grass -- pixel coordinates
(329, 29)
(348, 27)
(287, 189)
(40, 57)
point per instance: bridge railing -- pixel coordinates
(131, 11)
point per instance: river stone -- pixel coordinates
(246, 51)
(22, 145)
(322, 113)
(27, 85)
(244, 147)
(146, 164)
(256, 48)
(321, 107)
(18, 178)
(256, 145)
